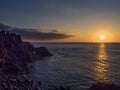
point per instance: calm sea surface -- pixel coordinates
(77, 65)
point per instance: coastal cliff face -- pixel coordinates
(16, 57)
(16, 54)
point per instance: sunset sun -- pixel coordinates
(102, 37)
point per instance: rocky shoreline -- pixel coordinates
(16, 57)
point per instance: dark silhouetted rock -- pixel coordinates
(16, 57)
(42, 52)
(104, 86)
(15, 54)
(60, 88)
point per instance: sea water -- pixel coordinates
(77, 65)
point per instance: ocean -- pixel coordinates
(77, 65)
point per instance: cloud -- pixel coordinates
(55, 31)
(36, 35)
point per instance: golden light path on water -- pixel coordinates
(101, 65)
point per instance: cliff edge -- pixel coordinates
(16, 54)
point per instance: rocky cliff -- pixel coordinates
(16, 57)
(15, 54)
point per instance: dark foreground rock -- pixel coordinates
(16, 57)
(16, 54)
(96, 86)
(104, 86)
(60, 88)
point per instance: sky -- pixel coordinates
(63, 20)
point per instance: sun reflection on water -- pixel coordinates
(101, 65)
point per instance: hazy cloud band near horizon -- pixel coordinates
(32, 34)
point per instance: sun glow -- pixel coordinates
(102, 37)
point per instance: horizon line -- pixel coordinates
(74, 42)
